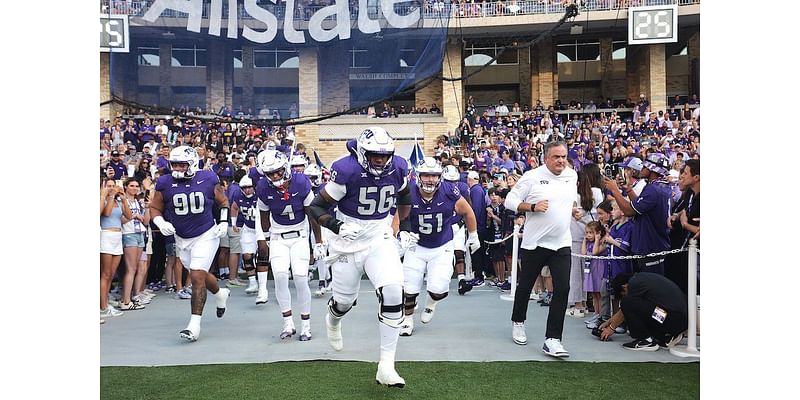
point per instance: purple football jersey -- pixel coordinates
(188, 203)
(255, 176)
(247, 209)
(287, 208)
(433, 220)
(368, 196)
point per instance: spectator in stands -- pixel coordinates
(133, 243)
(501, 108)
(682, 224)
(112, 209)
(120, 169)
(649, 211)
(477, 197)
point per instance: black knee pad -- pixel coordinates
(459, 256)
(437, 296)
(249, 263)
(410, 301)
(262, 261)
(334, 309)
(389, 308)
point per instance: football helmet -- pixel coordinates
(450, 173)
(374, 141)
(299, 160)
(428, 166)
(184, 155)
(247, 183)
(271, 161)
(314, 174)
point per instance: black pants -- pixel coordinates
(480, 259)
(638, 314)
(654, 264)
(532, 263)
(158, 259)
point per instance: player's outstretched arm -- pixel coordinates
(318, 210)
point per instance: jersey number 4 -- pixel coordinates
(193, 203)
(383, 203)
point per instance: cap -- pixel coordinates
(114, 153)
(632, 163)
(674, 174)
(473, 175)
(657, 163)
(235, 155)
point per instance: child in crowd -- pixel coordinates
(618, 241)
(494, 220)
(594, 268)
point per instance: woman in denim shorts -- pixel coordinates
(112, 209)
(133, 242)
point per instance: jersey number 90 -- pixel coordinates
(193, 203)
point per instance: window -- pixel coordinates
(577, 51)
(618, 51)
(479, 56)
(274, 58)
(148, 56)
(360, 58)
(237, 59)
(188, 57)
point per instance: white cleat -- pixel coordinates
(222, 300)
(518, 333)
(387, 375)
(427, 313)
(288, 329)
(408, 326)
(190, 335)
(252, 288)
(262, 297)
(320, 292)
(305, 330)
(334, 328)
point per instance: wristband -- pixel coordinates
(223, 214)
(333, 224)
(533, 207)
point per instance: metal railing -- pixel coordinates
(430, 9)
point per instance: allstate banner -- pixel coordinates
(254, 58)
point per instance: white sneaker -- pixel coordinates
(305, 330)
(427, 313)
(334, 328)
(262, 297)
(386, 374)
(535, 296)
(190, 335)
(110, 311)
(320, 292)
(407, 328)
(222, 300)
(518, 333)
(141, 299)
(252, 288)
(575, 313)
(553, 347)
(288, 329)
(112, 302)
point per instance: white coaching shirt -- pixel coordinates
(549, 229)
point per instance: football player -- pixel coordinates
(314, 174)
(429, 244)
(450, 174)
(299, 163)
(283, 200)
(364, 186)
(245, 220)
(182, 206)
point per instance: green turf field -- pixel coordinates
(424, 380)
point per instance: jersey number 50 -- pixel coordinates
(383, 203)
(193, 203)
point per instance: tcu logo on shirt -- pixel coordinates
(544, 182)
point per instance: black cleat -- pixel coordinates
(463, 287)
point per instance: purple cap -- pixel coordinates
(632, 163)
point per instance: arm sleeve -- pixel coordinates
(262, 206)
(307, 201)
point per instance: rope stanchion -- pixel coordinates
(691, 345)
(514, 257)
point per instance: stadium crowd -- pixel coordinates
(638, 194)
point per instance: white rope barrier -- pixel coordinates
(514, 257)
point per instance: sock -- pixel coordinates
(461, 277)
(224, 270)
(194, 323)
(252, 278)
(262, 281)
(389, 337)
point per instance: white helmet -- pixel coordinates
(299, 160)
(184, 154)
(244, 183)
(314, 174)
(374, 141)
(429, 166)
(261, 159)
(450, 174)
(271, 161)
